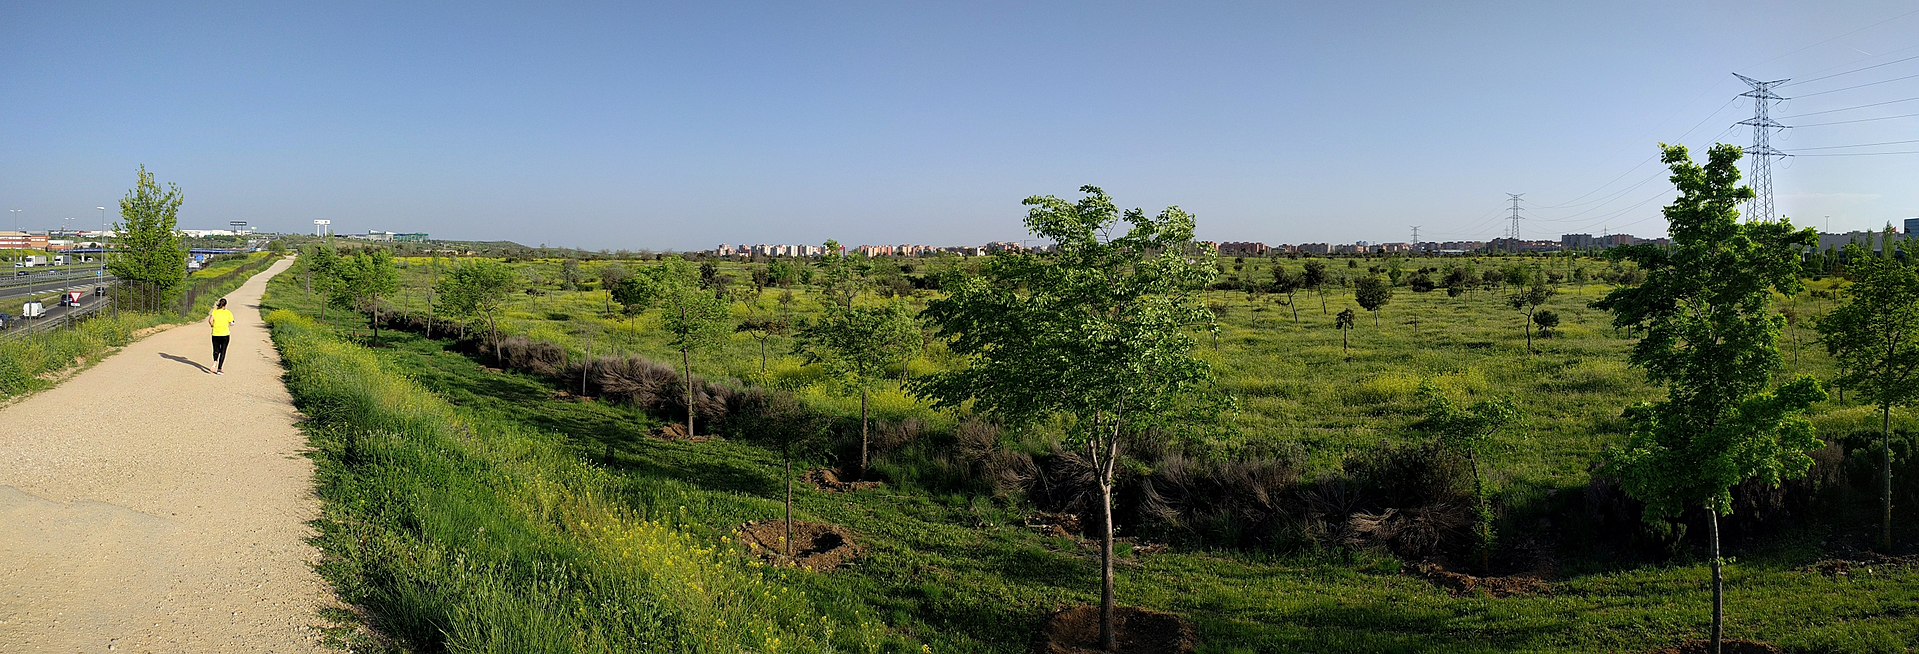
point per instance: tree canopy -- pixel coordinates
(150, 255)
(1094, 337)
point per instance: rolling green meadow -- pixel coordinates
(471, 508)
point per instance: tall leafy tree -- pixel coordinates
(1094, 337)
(152, 258)
(854, 345)
(477, 289)
(1372, 293)
(1710, 336)
(1875, 337)
(693, 315)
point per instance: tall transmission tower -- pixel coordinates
(1415, 235)
(1513, 232)
(1761, 154)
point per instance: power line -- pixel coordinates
(1863, 106)
(1861, 120)
(1855, 70)
(1857, 154)
(1858, 86)
(1682, 136)
(1861, 145)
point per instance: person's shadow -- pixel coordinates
(185, 360)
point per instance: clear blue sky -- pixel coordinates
(625, 126)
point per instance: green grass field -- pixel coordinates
(474, 486)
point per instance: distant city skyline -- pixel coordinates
(616, 126)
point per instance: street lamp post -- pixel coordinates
(103, 240)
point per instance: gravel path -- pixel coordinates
(148, 506)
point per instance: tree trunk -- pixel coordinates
(1484, 531)
(1295, 307)
(863, 422)
(1885, 441)
(1529, 333)
(1108, 640)
(1718, 584)
(789, 495)
(1345, 344)
(1375, 319)
(686, 359)
(1322, 301)
(763, 355)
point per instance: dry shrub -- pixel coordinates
(632, 380)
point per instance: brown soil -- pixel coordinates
(816, 547)
(1063, 525)
(677, 432)
(1863, 566)
(1141, 631)
(829, 481)
(1465, 584)
(1727, 647)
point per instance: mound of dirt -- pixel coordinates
(1141, 631)
(816, 547)
(1727, 647)
(829, 481)
(1864, 565)
(1465, 584)
(1063, 525)
(677, 432)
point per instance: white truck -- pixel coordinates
(32, 310)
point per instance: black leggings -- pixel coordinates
(220, 351)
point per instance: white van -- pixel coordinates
(32, 310)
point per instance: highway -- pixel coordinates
(41, 285)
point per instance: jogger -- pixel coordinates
(222, 321)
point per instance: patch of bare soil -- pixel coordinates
(677, 432)
(816, 547)
(829, 481)
(1465, 584)
(1726, 647)
(1062, 525)
(1862, 566)
(1140, 631)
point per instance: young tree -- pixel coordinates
(1344, 322)
(1548, 322)
(1711, 338)
(1468, 432)
(839, 278)
(478, 288)
(152, 258)
(611, 276)
(696, 318)
(1315, 278)
(362, 280)
(1372, 294)
(1875, 337)
(854, 345)
(1529, 298)
(1094, 336)
(764, 328)
(322, 267)
(1288, 282)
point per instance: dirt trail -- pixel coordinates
(148, 506)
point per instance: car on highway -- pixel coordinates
(32, 310)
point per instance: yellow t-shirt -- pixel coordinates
(222, 322)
